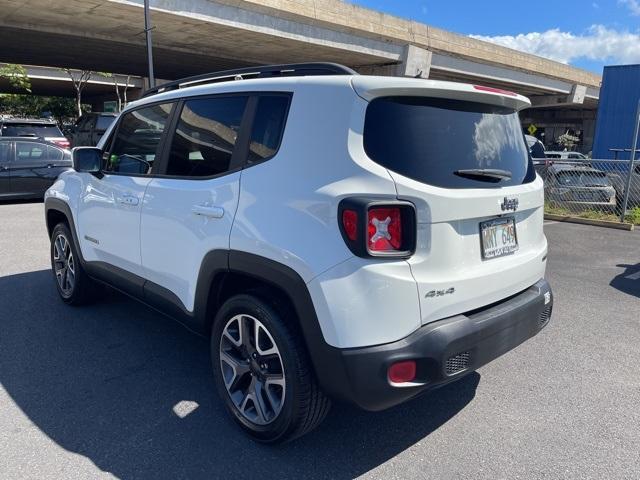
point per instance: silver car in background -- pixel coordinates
(577, 187)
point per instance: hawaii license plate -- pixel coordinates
(498, 237)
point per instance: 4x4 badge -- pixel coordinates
(440, 293)
(509, 204)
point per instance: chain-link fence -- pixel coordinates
(591, 188)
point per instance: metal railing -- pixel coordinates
(592, 188)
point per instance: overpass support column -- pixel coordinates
(416, 62)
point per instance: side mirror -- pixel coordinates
(87, 159)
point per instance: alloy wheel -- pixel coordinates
(252, 369)
(64, 265)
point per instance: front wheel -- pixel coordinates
(262, 371)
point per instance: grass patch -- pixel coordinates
(632, 216)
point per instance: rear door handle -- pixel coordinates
(129, 200)
(208, 211)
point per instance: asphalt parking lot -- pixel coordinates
(116, 389)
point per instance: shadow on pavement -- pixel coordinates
(104, 381)
(630, 286)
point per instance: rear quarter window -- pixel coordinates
(429, 139)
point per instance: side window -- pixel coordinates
(4, 151)
(29, 151)
(137, 140)
(103, 123)
(54, 154)
(205, 136)
(268, 126)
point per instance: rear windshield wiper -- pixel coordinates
(482, 173)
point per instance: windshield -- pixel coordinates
(30, 130)
(436, 141)
(583, 179)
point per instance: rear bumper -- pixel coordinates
(444, 350)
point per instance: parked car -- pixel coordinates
(339, 236)
(536, 148)
(29, 166)
(619, 181)
(90, 127)
(577, 187)
(565, 155)
(36, 128)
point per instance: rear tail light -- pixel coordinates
(402, 372)
(377, 229)
(62, 143)
(350, 224)
(384, 229)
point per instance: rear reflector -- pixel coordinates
(384, 229)
(402, 372)
(350, 224)
(494, 90)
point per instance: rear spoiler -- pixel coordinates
(370, 87)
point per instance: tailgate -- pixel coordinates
(452, 274)
(460, 157)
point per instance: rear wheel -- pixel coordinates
(262, 372)
(73, 284)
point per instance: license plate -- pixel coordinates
(584, 196)
(498, 237)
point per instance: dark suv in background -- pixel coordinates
(90, 127)
(41, 128)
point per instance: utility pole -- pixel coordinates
(147, 31)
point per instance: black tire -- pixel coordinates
(82, 290)
(303, 406)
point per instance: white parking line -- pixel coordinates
(550, 222)
(633, 276)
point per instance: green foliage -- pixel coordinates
(16, 76)
(62, 109)
(633, 216)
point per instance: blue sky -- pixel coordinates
(587, 34)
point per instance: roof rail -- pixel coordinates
(263, 71)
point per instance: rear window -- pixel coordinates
(30, 130)
(429, 139)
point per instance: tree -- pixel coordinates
(121, 96)
(568, 141)
(17, 76)
(79, 78)
(20, 105)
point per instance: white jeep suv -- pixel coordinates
(337, 236)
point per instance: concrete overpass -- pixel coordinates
(196, 36)
(52, 81)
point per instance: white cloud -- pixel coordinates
(632, 5)
(597, 43)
